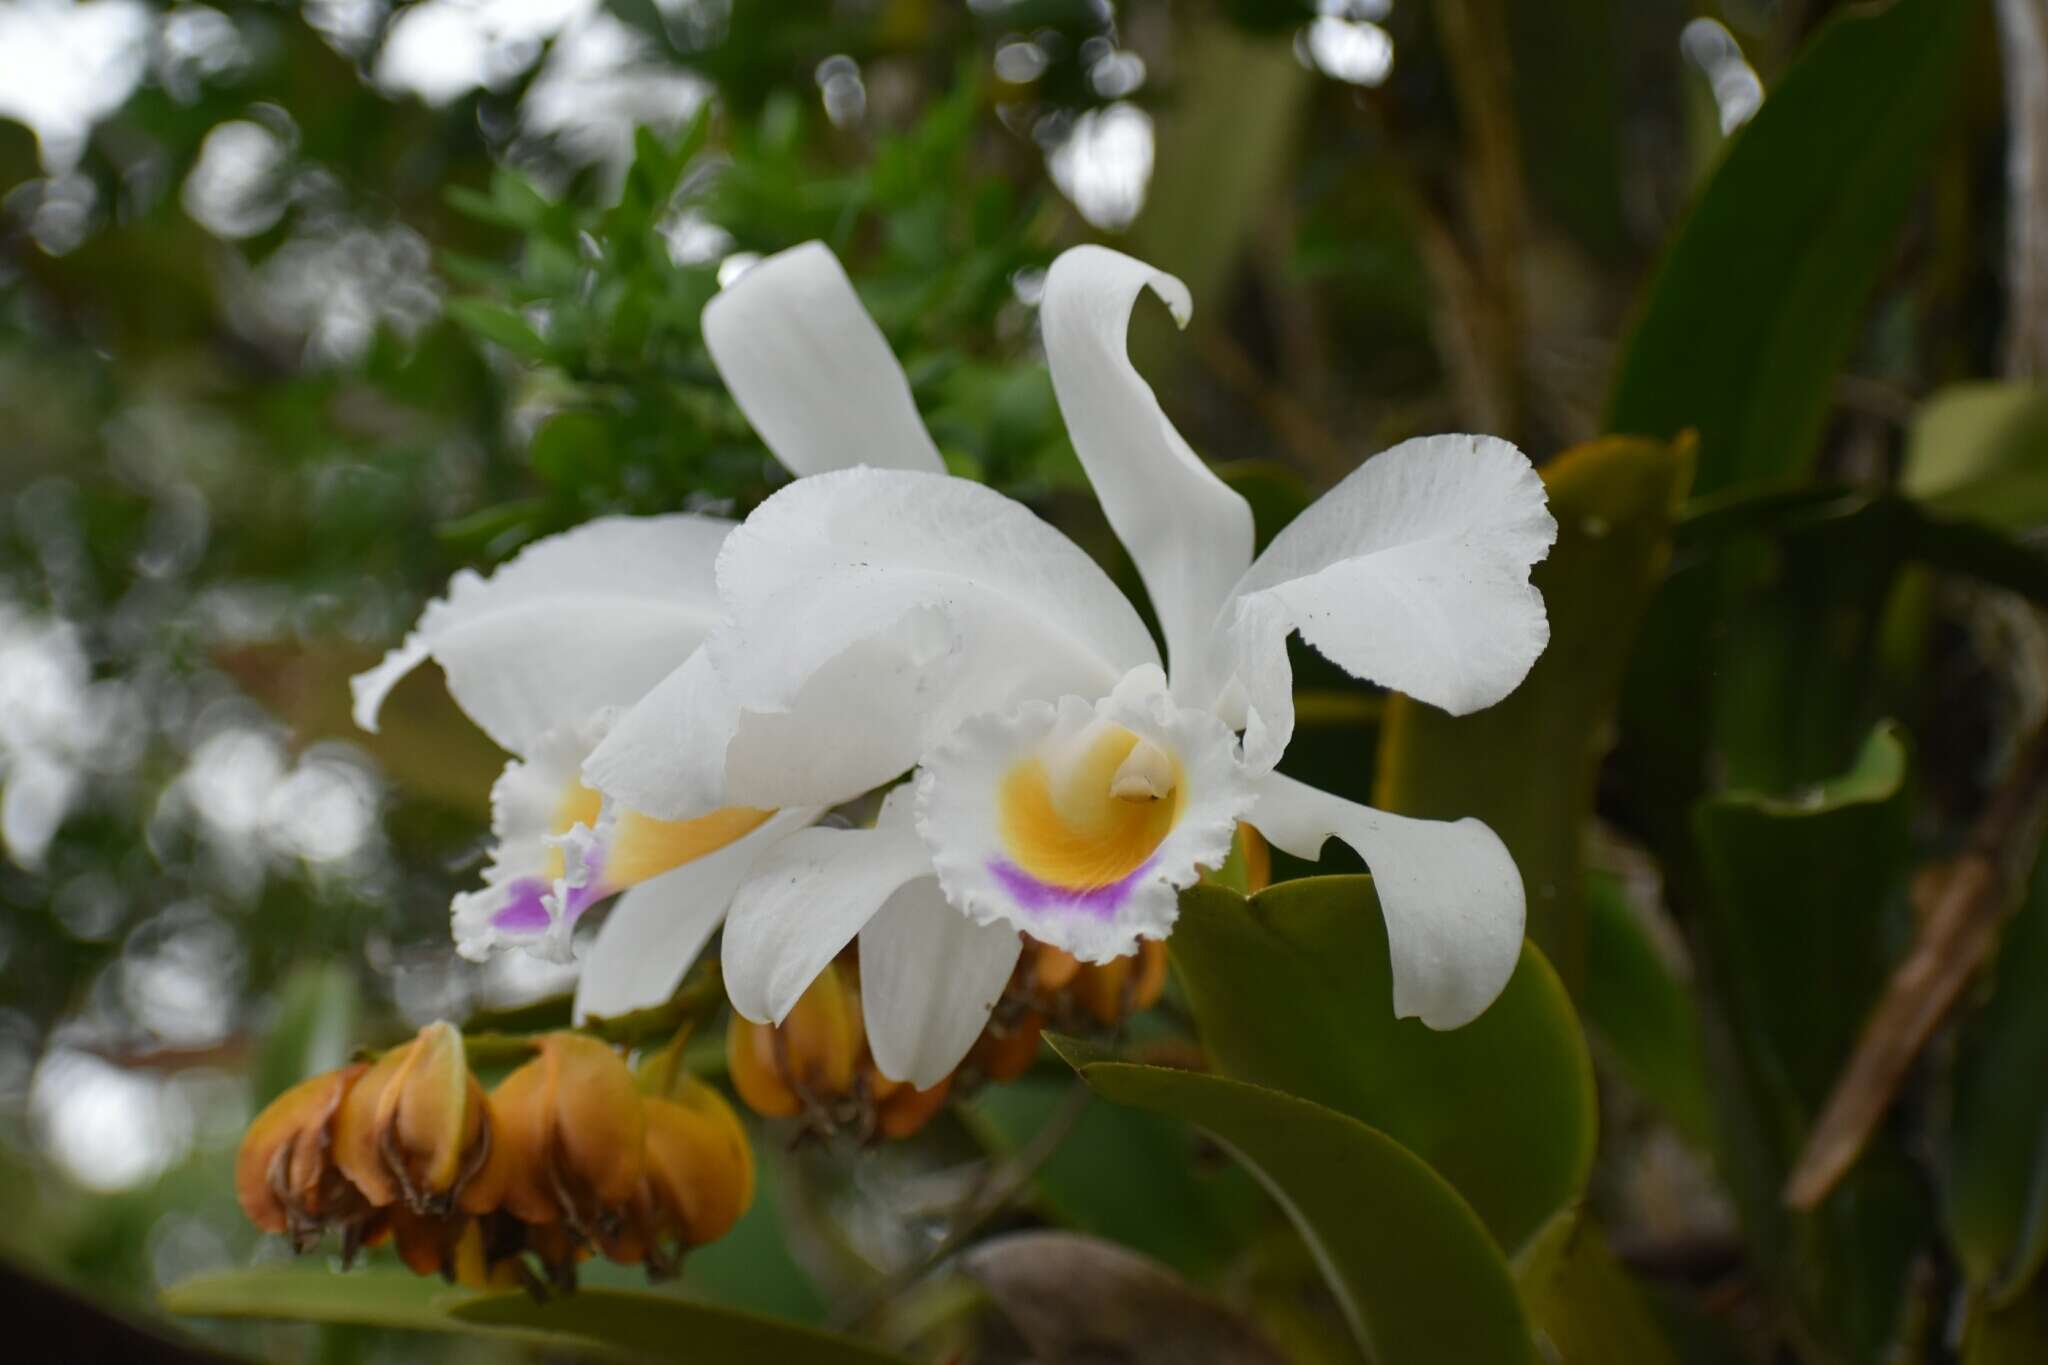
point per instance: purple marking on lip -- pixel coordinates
(525, 910)
(1034, 895)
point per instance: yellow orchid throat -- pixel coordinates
(1092, 816)
(639, 847)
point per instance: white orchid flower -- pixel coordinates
(1067, 786)
(545, 651)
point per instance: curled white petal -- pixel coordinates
(929, 977)
(1412, 573)
(1095, 879)
(811, 370)
(1188, 532)
(802, 903)
(1449, 890)
(588, 619)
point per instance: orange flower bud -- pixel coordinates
(699, 1178)
(1008, 1046)
(1112, 992)
(810, 1063)
(285, 1174)
(569, 1129)
(415, 1127)
(1073, 995)
(900, 1108)
(1051, 969)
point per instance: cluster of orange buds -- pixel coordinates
(567, 1158)
(1053, 989)
(815, 1066)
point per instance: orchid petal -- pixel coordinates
(929, 977)
(1449, 890)
(588, 619)
(811, 370)
(803, 902)
(1189, 533)
(1412, 573)
(872, 611)
(654, 932)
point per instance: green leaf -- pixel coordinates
(308, 1291)
(1996, 1191)
(1131, 1177)
(1981, 450)
(1762, 292)
(1643, 1014)
(664, 1327)
(647, 1326)
(1293, 990)
(1413, 1267)
(1526, 766)
(315, 1029)
(571, 443)
(496, 322)
(1583, 1302)
(1799, 884)
(1803, 894)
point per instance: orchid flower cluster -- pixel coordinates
(687, 698)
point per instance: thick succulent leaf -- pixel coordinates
(1803, 891)
(1526, 765)
(644, 1326)
(1981, 450)
(1137, 1179)
(1996, 1190)
(1292, 989)
(1581, 1300)
(663, 1327)
(1643, 1013)
(1761, 294)
(1417, 1275)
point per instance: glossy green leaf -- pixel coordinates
(1526, 766)
(1582, 1302)
(1996, 1190)
(1643, 1014)
(667, 1328)
(1804, 894)
(315, 1029)
(1800, 885)
(309, 1291)
(1762, 293)
(1131, 1177)
(1981, 450)
(645, 1326)
(1417, 1274)
(1293, 990)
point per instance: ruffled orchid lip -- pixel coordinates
(1102, 902)
(526, 898)
(1079, 823)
